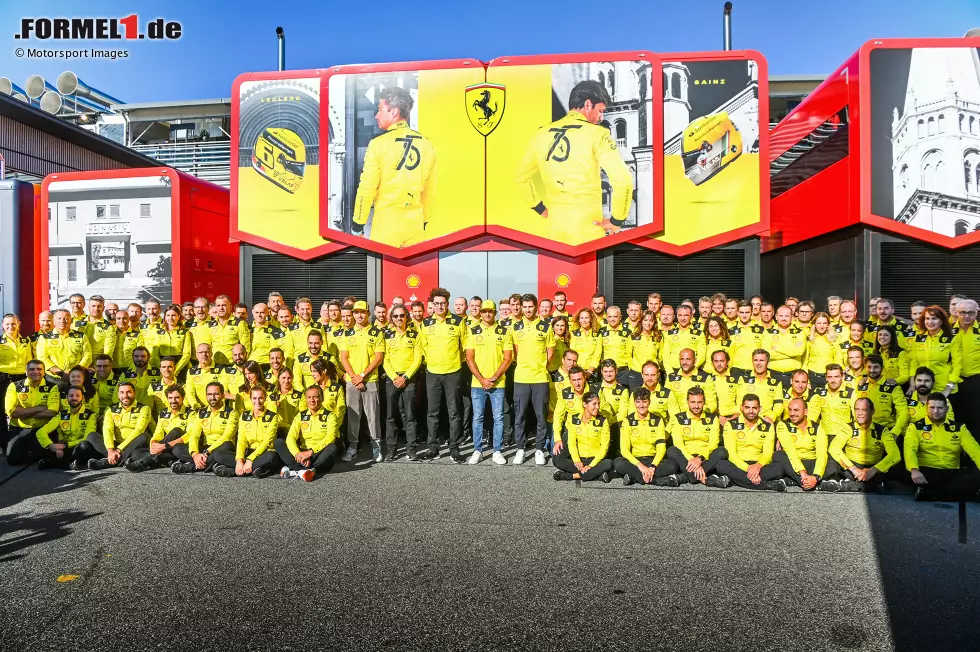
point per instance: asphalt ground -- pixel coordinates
(433, 556)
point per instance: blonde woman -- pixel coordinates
(646, 347)
(822, 349)
(586, 341)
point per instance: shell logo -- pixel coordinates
(413, 281)
(563, 280)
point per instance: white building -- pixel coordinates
(936, 143)
(110, 237)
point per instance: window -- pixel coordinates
(961, 123)
(942, 123)
(932, 126)
(113, 210)
(675, 85)
(612, 84)
(973, 125)
(904, 176)
(100, 212)
(144, 210)
(932, 170)
(72, 269)
(815, 152)
(620, 130)
(70, 213)
(922, 128)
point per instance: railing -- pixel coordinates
(621, 143)
(210, 161)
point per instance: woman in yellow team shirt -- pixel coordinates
(896, 359)
(80, 377)
(822, 349)
(645, 345)
(938, 349)
(254, 377)
(717, 339)
(563, 341)
(326, 375)
(585, 341)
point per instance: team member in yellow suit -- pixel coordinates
(399, 176)
(568, 154)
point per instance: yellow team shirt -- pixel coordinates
(312, 431)
(216, 426)
(531, 341)
(749, 443)
(403, 355)
(873, 446)
(693, 435)
(361, 345)
(121, 425)
(588, 438)
(24, 395)
(939, 446)
(970, 351)
(67, 427)
(745, 340)
(256, 434)
(441, 341)
(489, 344)
(224, 337)
(588, 345)
(942, 354)
(808, 442)
(643, 437)
(64, 351)
(676, 339)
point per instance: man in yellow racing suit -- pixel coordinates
(399, 176)
(568, 155)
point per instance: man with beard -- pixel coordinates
(694, 452)
(749, 444)
(141, 375)
(934, 448)
(804, 443)
(212, 428)
(55, 444)
(170, 432)
(124, 432)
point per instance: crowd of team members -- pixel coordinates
(719, 393)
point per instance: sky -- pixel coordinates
(221, 40)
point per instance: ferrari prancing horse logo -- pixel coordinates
(485, 106)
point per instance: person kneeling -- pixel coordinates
(256, 433)
(171, 432)
(750, 442)
(642, 443)
(123, 432)
(588, 443)
(933, 449)
(55, 445)
(311, 445)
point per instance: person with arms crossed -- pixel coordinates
(30, 404)
(534, 346)
(864, 450)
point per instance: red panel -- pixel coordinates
(410, 280)
(811, 209)
(576, 277)
(199, 210)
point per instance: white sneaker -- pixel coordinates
(284, 472)
(350, 454)
(376, 452)
(519, 457)
(498, 458)
(476, 457)
(539, 459)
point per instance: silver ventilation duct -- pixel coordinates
(70, 84)
(54, 103)
(36, 87)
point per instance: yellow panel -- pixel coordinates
(269, 212)
(527, 108)
(442, 118)
(726, 202)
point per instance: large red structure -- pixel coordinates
(133, 234)
(874, 177)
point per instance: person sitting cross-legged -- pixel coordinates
(588, 443)
(55, 444)
(642, 444)
(312, 446)
(254, 454)
(749, 445)
(124, 432)
(934, 448)
(170, 432)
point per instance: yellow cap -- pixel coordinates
(488, 305)
(361, 305)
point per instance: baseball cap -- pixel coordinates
(488, 305)
(360, 305)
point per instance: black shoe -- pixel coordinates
(263, 472)
(44, 464)
(98, 464)
(850, 486)
(668, 481)
(412, 455)
(136, 466)
(606, 477)
(921, 493)
(182, 467)
(832, 486)
(561, 475)
(429, 454)
(719, 481)
(457, 458)
(776, 485)
(390, 455)
(224, 471)
(627, 480)
(76, 466)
